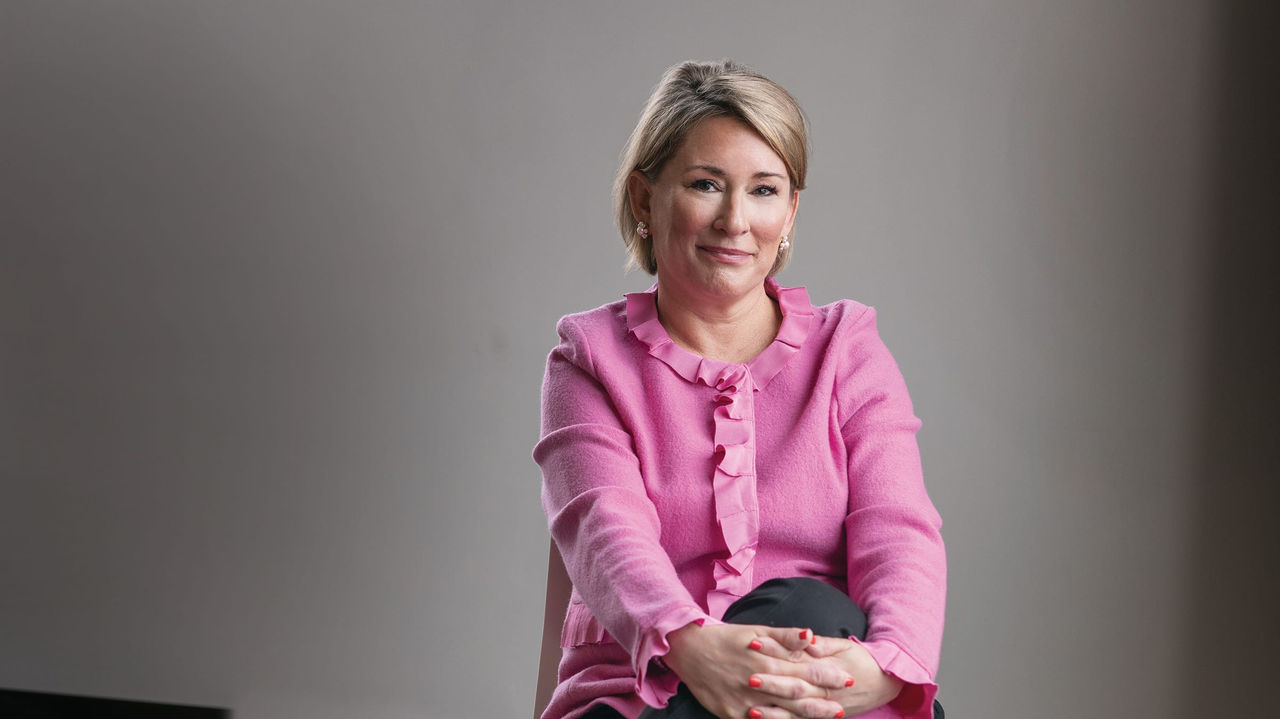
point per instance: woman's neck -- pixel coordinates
(731, 332)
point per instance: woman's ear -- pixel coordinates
(639, 192)
(795, 206)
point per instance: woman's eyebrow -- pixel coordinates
(721, 173)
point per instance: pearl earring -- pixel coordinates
(785, 243)
(642, 230)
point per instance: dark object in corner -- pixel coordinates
(39, 705)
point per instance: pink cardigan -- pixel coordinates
(674, 484)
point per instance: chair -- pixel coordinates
(557, 603)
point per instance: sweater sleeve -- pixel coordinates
(602, 520)
(896, 558)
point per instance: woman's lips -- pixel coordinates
(726, 254)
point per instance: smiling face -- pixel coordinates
(717, 213)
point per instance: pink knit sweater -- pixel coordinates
(674, 484)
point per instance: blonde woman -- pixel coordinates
(731, 473)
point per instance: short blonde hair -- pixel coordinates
(688, 94)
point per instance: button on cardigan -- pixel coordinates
(674, 484)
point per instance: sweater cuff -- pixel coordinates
(915, 701)
(655, 682)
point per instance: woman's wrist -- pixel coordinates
(678, 641)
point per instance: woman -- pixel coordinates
(730, 473)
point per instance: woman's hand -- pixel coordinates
(870, 686)
(719, 662)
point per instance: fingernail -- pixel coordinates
(804, 633)
(839, 714)
(754, 682)
(848, 682)
(813, 639)
(755, 714)
(756, 645)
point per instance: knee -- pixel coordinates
(800, 602)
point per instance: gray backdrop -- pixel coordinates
(279, 278)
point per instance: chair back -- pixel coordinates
(557, 604)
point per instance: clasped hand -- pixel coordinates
(745, 671)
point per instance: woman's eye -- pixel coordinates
(704, 185)
(766, 190)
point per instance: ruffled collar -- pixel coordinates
(797, 321)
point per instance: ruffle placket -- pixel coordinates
(734, 486)
(733, 414)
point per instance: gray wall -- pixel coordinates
(278, 279)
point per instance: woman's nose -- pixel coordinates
(733, 219)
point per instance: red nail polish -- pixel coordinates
(804, 633)
(813, 639)
(756, 645)
(839, 714)
(754, 682)
(755, 714)
(848, 682)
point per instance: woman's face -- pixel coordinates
(716, 213)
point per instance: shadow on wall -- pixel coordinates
(1236, 565)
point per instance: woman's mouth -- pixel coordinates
(725, 254)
